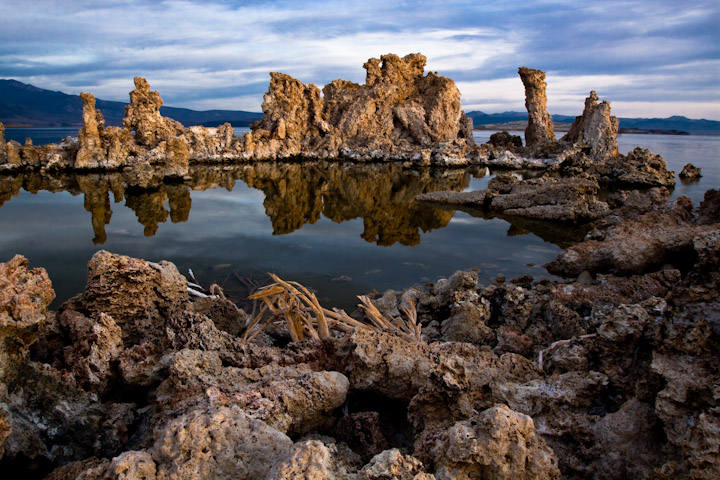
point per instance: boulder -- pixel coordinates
(138, 295)
(497, 443)
(690, 172)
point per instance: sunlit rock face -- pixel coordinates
(143, 116)
(398, 113)
(92, 152)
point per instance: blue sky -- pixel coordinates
(650, 58)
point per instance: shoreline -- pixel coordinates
(596, 339)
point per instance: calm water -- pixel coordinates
(342, 229)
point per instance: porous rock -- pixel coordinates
(497, 443)
(220, 443)
(399, 113)
(690, 172)
(540, 131)
(546, 198)
(25, 295)
(138, 295)
(143, 116)
(91, 149)
(595, 129)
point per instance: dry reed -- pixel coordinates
(306, 318)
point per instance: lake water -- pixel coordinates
(341, 229)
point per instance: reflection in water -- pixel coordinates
(295, 194)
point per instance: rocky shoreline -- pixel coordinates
(610, 373)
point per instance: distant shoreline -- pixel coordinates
(564, 127)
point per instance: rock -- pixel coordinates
(468, 323)
(634, 246)
(545, 198)
(540, 131)
(505, 141)
(641, 167)
(497, 443)
(93, 346)
(221, 443)
(138, 295)
(25, 295)
(361, 431)
(399, 113)
(308, 459)
(627, 442)
(690, 172)
(143, 116)
(709, 209)
(392, 464)
(595, 129)
(3, 147)
(91, 151)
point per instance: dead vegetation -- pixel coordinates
(299, 308)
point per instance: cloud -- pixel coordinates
(657, 52)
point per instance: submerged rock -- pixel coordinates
(690, 172)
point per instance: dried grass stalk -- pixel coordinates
(305, 317)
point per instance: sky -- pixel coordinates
(649, 58)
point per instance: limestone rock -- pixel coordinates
(91, 152)
(25, 295)
(634, 246)
(398, 113)
(3, 147)
(595, 129)
(143, 116)
(690, 172)
(498, 443)
(93, 345)
(308, 459)
(544, 198)
(138, 295)
(392, 464)
(641, 167)
(221, 443)
(540, 131)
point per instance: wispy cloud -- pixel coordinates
(217, 54)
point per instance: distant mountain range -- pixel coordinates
(678, 123)
(23, 104)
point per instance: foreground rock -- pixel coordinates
(604, 376)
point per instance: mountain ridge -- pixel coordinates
(22, 103)
(675, 122)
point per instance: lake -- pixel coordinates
(342, 229)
